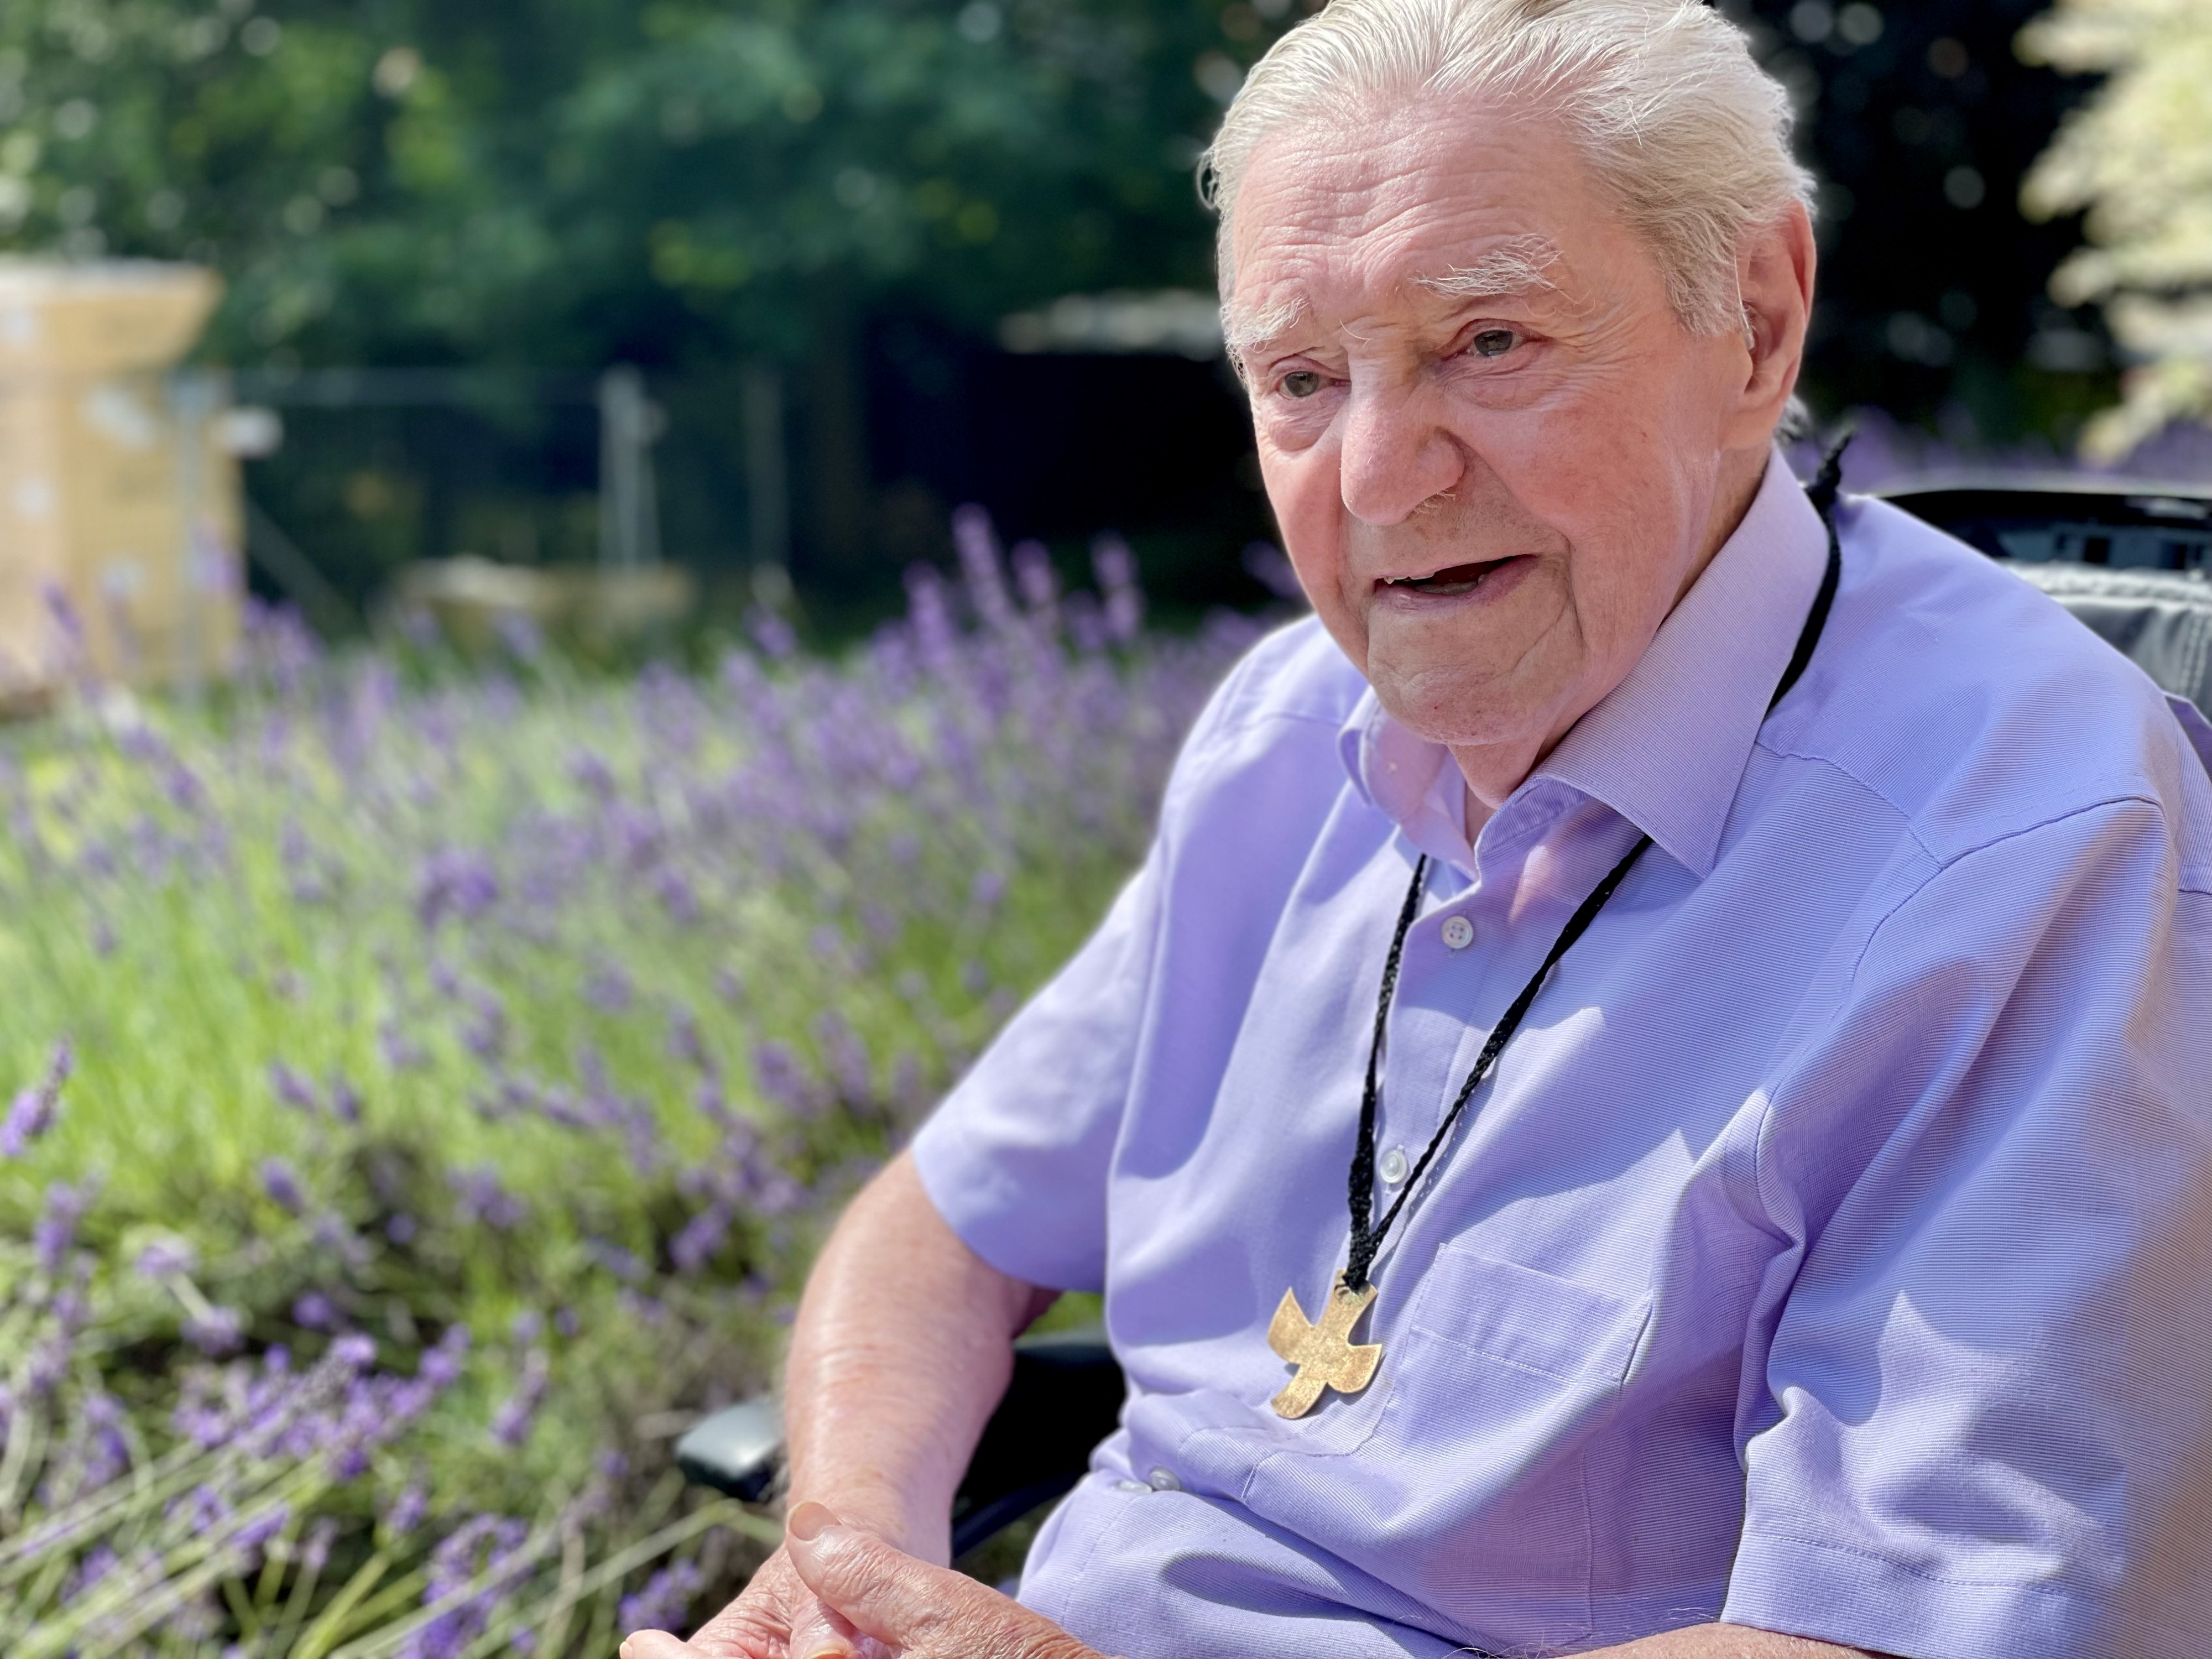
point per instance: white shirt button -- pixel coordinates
(1132, 1485)
(1394, 1166)
(1164, 1481)
(1459, 933)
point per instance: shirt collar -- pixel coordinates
(1667, 747)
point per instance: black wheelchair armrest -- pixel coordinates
(1064, 1398)
(737, 1450)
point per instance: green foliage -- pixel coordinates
(473, 1059)
(2137, 156)
(550, 180)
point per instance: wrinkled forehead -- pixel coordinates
(1442, 203)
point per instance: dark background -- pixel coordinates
(853, 193)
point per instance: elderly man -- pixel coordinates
(1747, 959)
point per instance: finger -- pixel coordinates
(657, 1645)
(905, 1602)
(757, 1624)
(821, 1634)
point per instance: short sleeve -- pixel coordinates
(1988, 1397)
(1015, 1158)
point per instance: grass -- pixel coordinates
(554, 1011)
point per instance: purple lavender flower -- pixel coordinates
(1034, 577)
(106, 1452)
(457, 884)
(664, 1600)
(201, 1508)
(615, 1259)
(677, 897)
(929, 614)
(782, 1081)
(302, 869)
(607, 988)
(53, 1235)
(408, 1510)
(978, 548)
(442, 1366)
(510, 1424)
(481, 1198)
(684, 1042)
(701, 1237)
(345, 1100)
(167, 1258)
(257, 1532)
(777, 642)
(479, 1547)
(483, 1028)
(32, 1113)
(846, 1058)
(520, 635)
(314, 1311)
(593, 774)
(64, 615)
(281, 1183)
(332, 1234)
(217, 1332)
(1116, 567)
(293, 1088)
(97, 1563)
(401, 1051)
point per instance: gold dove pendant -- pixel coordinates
(1324, 1353)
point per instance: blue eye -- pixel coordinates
(1301, 383)
(1493, 343)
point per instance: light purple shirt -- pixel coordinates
(1832, 1249)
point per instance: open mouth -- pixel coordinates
(1451, 580)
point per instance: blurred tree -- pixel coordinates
(1921, 122)
(689, 183)
(572, 180)
(2138, 157)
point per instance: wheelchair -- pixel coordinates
(2132, 560)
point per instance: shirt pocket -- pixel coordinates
(1470, 1492)
(1533, 1321)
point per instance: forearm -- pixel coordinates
(903, 1346)
(1728, 1642)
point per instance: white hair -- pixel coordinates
(1685, 133)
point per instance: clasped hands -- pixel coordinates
(875, 1594)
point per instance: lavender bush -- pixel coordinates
(433, 1084)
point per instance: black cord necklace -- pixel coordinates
(1323, 1353)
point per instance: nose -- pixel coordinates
(1395, 454)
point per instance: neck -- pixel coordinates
(1495, 771)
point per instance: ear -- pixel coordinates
(1774, 272)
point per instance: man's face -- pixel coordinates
(1495, 454)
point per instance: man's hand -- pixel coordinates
(777, 1617)
(921, 1611)
(903, 1344)
(867, 1586)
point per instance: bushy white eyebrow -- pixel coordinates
(1514, 267)
(1242, 330)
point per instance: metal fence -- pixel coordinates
(368, 471)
